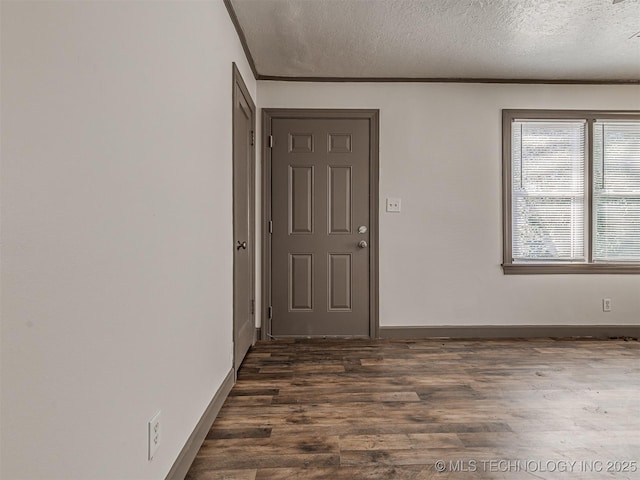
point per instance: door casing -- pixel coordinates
(239, 87)
(373, 115)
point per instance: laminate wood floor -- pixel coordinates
(422, 409)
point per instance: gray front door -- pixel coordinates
(243, 322)
(320, 242)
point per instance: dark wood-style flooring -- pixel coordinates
(381, 409)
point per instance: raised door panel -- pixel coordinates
(339, 142)
(340, 282)
(300, 143)
(300, 282)
(301, 199)
(340, 203)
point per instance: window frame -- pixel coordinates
(557, 267)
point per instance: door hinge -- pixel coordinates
(253, 307)
(270, 226)
(270, 313)
(253, 138)
(270, 141)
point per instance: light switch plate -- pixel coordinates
(394, 204)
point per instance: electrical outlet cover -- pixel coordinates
(154, 435)
(394, 204)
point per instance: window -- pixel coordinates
(571, 191)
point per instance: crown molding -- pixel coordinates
(242, 37)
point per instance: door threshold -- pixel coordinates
(321, 337)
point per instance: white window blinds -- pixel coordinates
(548, 190)
(616, 191)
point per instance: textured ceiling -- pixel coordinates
(589, 40)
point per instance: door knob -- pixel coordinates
(242, 245)
(362, 244)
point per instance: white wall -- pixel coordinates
(116, 231)
(440, 151)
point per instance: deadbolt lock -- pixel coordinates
(362, 229)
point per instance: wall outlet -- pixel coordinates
(394, 204)
(606, 304)
(154, 435)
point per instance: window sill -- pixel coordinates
(586, 268)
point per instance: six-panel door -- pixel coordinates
(320, 206)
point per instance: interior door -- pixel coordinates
(243, 282)
(320, 241)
